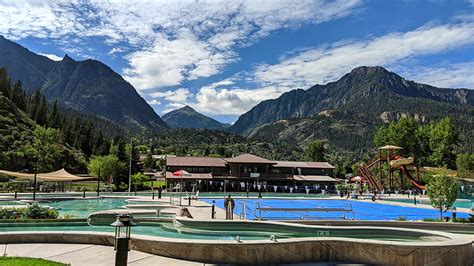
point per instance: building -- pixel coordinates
(251, 172)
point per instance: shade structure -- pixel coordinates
(56, 176)
(181, 173)
(357, 178)
(170, 175)
(390, 147)
(314, 178)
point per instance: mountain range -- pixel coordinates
(347, 112)
(187, 117)
(88, 86)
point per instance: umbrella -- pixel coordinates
(181, 173)
(357, 178)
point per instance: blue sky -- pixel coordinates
(223, 58)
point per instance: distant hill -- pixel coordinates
(88, 86)
(347, 112)
(187, 117)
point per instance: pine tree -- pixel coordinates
(54, 119)
(41, 115)
(18, 96)
(33, 104)
(4, 82)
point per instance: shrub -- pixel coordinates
(401, 218)
(32, 212)
(37, 212)
(431, 220)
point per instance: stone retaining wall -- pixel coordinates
(452, 252)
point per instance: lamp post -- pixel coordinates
(122, 238)
(34, 183)
(98, 183)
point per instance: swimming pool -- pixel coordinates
(81, 208)
(460, 203)
(361, 210)
(213, 230)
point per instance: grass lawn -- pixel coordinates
(155, 183)
(21, 261)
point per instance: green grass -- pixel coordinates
(21, 261)
(155, 183)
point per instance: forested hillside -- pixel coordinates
(347, 113)
(187, 117)
(87, 86)
(21, 114)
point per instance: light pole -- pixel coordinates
(130, 168)
(34, 183)
(122, 238)
(98, 183)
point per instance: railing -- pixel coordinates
(304, 212)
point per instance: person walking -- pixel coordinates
(229, 205)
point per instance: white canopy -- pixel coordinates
(58, 176)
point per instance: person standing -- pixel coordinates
(229, 205)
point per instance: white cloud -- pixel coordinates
(116, 50)
(459, 75)
(154, 102)
(180, 95)
(325, 64)
(173, 41)
(308, 67)
(232, 101)
(52, 57)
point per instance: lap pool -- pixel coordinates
(361, 210)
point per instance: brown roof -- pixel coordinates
(249, 158)
(293, 164)
(314, 178)
(170, 175)
(195, 161)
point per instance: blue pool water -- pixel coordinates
(361, 210)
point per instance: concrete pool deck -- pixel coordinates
(83, 254)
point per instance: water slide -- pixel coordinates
(374, 162)
(373, 182)
(406, 172)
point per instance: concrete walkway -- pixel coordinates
(76, 254)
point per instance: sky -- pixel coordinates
(224, 57)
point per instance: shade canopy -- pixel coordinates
(170, 175)
(58, 176)
(314, 178)
(357, 178)
(390, 147)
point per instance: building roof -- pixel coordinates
(195, 161)
(314, 178)
(169, 175)
(293, 164)
(249, 158)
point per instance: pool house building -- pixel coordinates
(248, 171)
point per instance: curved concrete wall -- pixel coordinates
(453, 252)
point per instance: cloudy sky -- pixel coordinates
(222, 58)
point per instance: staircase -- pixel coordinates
(373, 182)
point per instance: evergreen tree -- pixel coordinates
(41, 115)
(33, 104)
(54, 119)
(316, 151)
(5, 85)
(18, 96)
